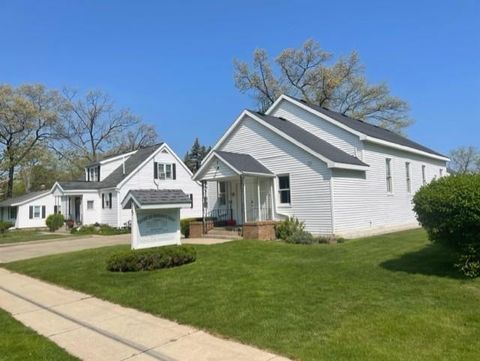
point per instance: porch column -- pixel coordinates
(259, 211)
(242, 196)
(204, 206)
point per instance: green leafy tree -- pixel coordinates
(313, 74)
(195, 155)
(28, 116)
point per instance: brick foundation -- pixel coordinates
(196, 228)
(264, 231)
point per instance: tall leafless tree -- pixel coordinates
(91, 124)
(313, 75)
(465, 160)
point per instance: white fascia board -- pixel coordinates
(350, 166)
(165, 206)
(259, 174)
(29, 199)
(120, 156)
(79, 191)
(313, 111)
(361, 135)
(207, 160)
(405, 148)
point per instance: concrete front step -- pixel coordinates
(223, 233)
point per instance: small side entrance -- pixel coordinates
(78, 206)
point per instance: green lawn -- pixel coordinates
(27, 236)
(19, 343)
(392, 297)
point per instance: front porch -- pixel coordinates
(238, 192)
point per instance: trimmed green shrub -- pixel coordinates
(55, 221)
(185, 226)
(449, 209)
(287, 228)
(301, 237)
(151, 259)
(4, 226)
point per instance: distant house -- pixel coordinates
(98, 198)
(339, 175)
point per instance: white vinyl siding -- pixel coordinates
(309, 177)
(361, 204)
(144, 179)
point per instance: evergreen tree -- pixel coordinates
(195, 155)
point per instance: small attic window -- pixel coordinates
(165, 151)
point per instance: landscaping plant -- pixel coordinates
(151, 259)
(449, 209)
(4, 226)
(288, 227)
(55, 221)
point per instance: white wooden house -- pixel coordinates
(98, 197)
(339, 175)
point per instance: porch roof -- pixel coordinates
(235, 164)
(156, 198)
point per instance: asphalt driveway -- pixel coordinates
(19, 251)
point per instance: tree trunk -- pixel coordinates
(11, 172)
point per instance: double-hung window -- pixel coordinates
(90, 204)
(36, 211)
(424, 175)
(441, 172)
(165, 171)
(222, 193)
(407, 174)
(284, 189)
(389, 179)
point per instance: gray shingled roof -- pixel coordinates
(244, 163)
(22, 198)
(311, 141)
(370, 129)
(114, 178)
(157, 197)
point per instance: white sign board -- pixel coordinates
(155, 227)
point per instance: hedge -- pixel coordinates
(151, 259)
(449, 209)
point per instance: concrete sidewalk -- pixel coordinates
(25, 250)
(92, 329)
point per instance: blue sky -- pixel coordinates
(171, 62)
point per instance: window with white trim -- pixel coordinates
(424, 175)
(165, 171)
(407, 175)
(90, 204)
(284, 189)
(37, 211)
(389, 178)
(441, 172)
(222, 193)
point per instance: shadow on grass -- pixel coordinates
(433, 260)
